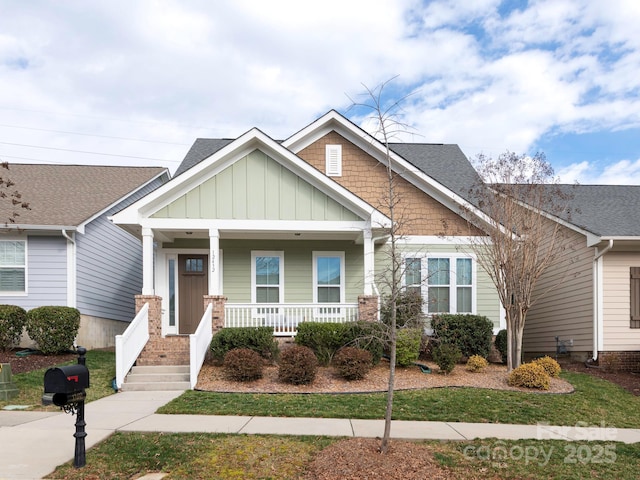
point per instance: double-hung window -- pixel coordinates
(267, 277)
(13, 266)
(445, 282)
(328, 279)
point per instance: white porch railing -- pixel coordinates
(285, 318)
(130, 343)
(199, 344)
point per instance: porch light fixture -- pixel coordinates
(297, 234)
(189, 233)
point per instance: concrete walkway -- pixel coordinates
(33, 444)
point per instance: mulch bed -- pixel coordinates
(34, 361)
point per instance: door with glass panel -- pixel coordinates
(192, 286)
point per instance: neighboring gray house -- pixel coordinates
(64, 251)
(592, 299)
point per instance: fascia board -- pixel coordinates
(169, 224)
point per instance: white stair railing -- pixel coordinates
(199, 344)
(130, 344)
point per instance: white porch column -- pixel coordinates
(147, 261)
(214, 262)
(369, 268)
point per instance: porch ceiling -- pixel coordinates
(172, 235)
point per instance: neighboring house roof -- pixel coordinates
(604, 210)
(69, 195)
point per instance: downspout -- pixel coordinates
(597, 304)
(71, 268)
(375, 287)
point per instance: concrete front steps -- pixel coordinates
(160, 377)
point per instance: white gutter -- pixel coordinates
(598, 295)
(71, 268)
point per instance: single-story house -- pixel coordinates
(270, 232)
(591, 300)
(64, 252)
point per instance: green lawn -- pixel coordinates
(129, 455)
(102, 368)
(594, 401)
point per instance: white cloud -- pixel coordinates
(165, 70)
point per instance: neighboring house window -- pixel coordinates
(446, 283)
(333, 160)
(267, 277)
(13, 266)
(635, 297)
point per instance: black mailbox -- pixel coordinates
(65, 385)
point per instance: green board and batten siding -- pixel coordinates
(298, 267)
(256, 187)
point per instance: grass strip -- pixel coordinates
(594, 402)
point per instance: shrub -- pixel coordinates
(242, 365)
(352, 363)
(258, 339)
(529, 375)
(53, 328)
(369, 336)
(408, 310)
(407, 346)
(298, 365)
(446, 355)
(501, 344)
(550, 365)
(12, 322)
(476, 363)
(472, 334)
(325, 339)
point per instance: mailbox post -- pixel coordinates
(65, 387)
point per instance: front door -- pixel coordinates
(192, 286)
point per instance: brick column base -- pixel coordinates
(217, 315)
(368, 308)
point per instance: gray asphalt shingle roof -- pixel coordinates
(605, 210)
(68, 195)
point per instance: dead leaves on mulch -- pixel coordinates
(360, 459)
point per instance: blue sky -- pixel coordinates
(134, 83)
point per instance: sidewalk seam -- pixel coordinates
(246, 423)
(455, 430)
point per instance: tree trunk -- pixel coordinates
(384, 445)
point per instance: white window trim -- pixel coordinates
(320, 254)
(267, 253)
(453, 297)
(333, 160)
(25, 292)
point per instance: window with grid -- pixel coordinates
(267, 277)
(13, 266)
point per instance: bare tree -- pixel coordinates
(519, 194)
(14, 197)
(387, 124)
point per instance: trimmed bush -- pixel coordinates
(501, 344)
(476, 363)
(325, 339)
(529, 375)
(352, 363)
(446, 355)
(298, 365)
(242, 365)
(369, 336)
(472, 334)
(550, 365)
(53, 328)
(258, 339)
(408, 342)
(12, 322)
(408, 310)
